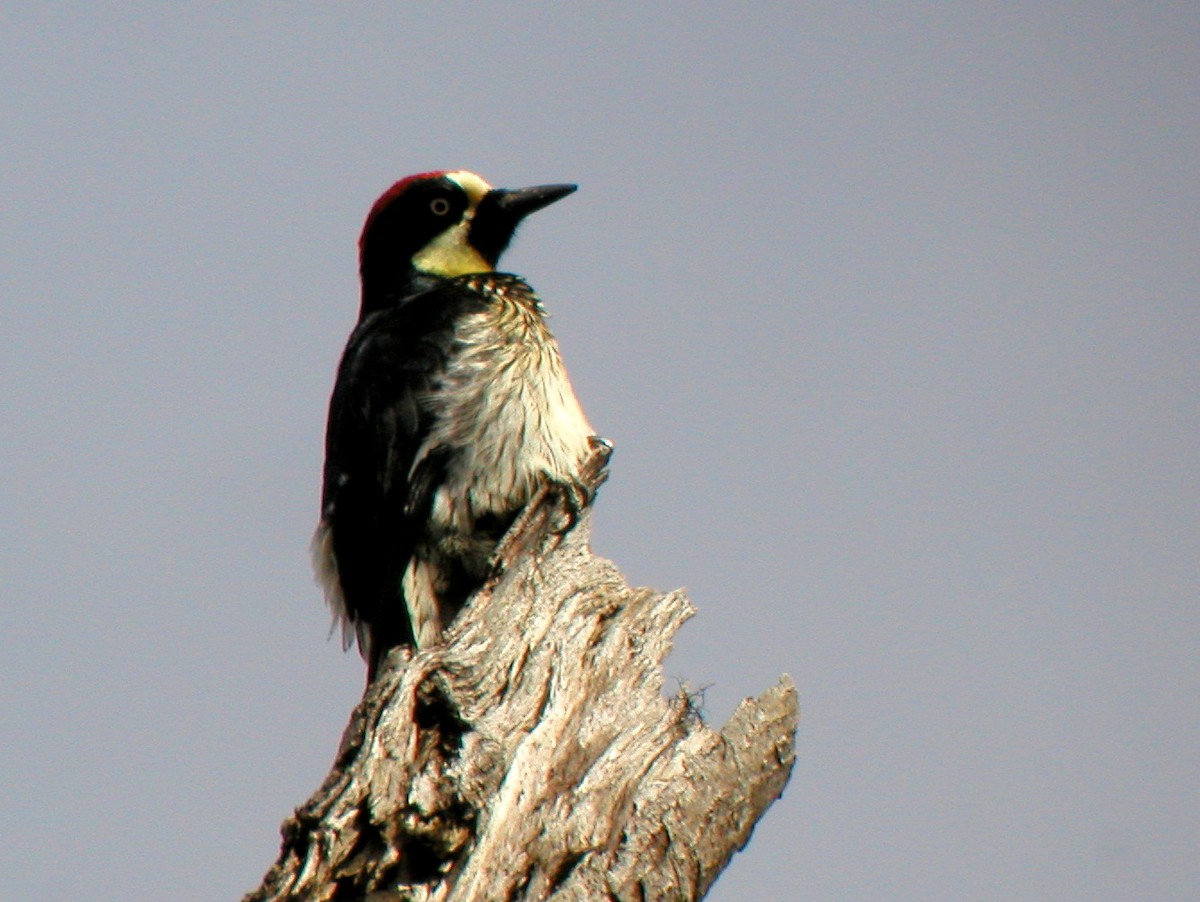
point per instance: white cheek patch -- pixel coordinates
(450, 254)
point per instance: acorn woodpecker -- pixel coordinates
(451, 409)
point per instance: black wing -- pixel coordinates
(376, 426)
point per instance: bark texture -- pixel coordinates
(533, 756)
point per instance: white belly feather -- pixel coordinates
(507, 414)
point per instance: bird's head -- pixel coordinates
(438, 225)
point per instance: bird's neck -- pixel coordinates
(381, 290)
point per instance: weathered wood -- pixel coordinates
(533, 756)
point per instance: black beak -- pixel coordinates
(501, 211)
(520, 202)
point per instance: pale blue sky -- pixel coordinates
(891, 310)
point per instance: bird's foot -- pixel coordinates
(579, 493)
(576, 496)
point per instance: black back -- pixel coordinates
(376, 426)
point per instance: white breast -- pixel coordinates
(506, 410)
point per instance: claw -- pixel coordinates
(600, 443)
(576, 496)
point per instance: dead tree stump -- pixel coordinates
(533, 756)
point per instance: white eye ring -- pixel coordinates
(440, 206)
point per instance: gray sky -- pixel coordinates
(890, 309)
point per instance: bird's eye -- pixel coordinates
(440, 206)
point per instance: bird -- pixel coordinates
(451, 408)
